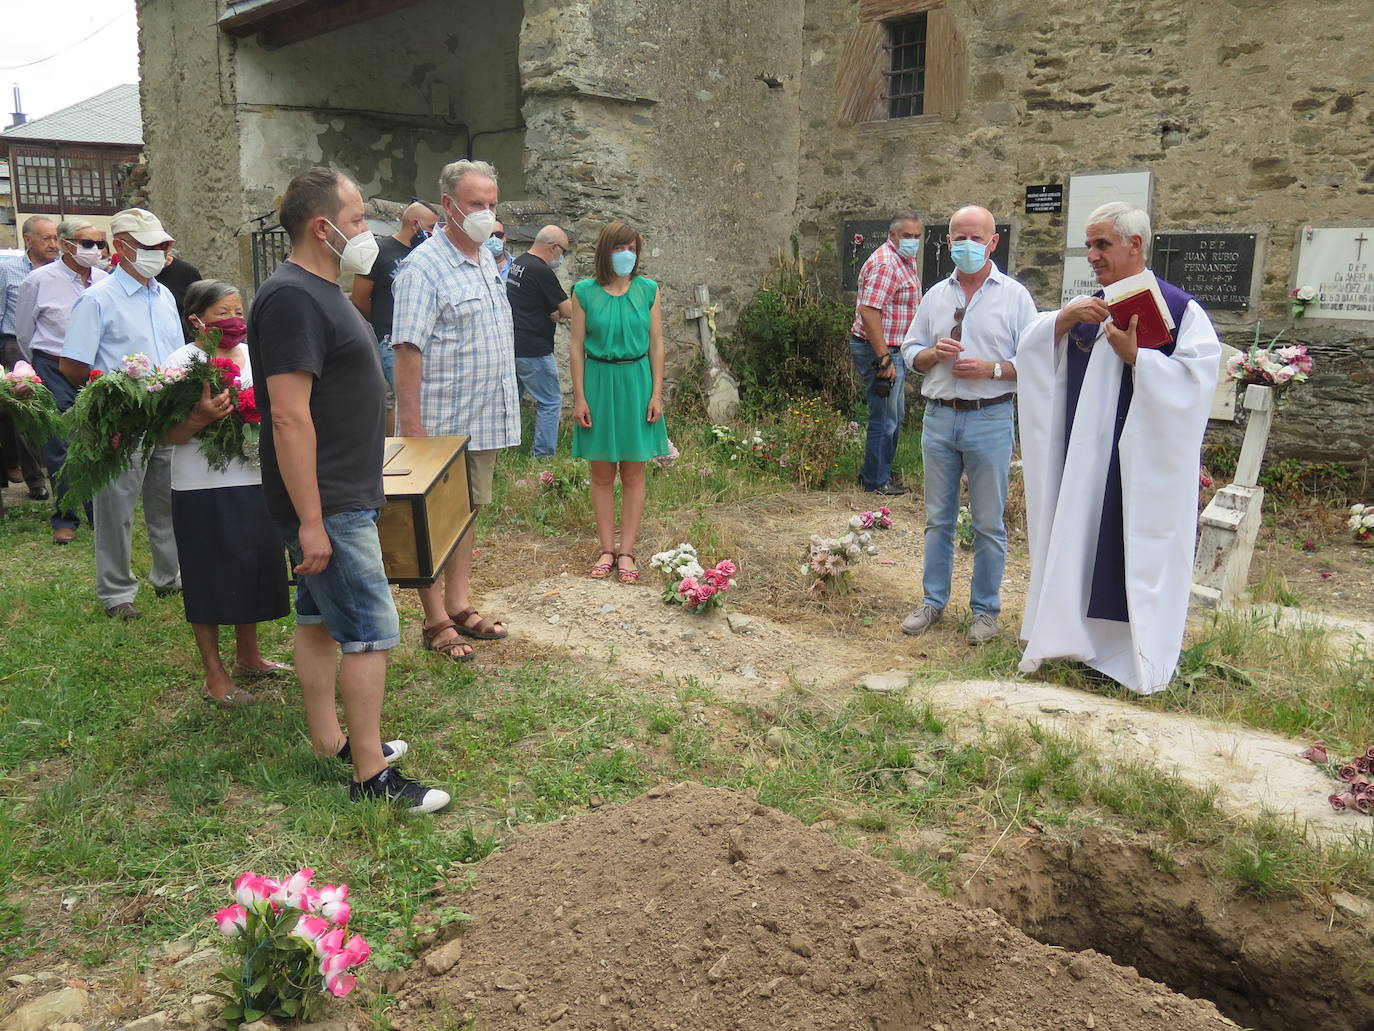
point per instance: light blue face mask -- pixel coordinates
(496, 245)
(623, 262)
(909, 247)
(968, 256)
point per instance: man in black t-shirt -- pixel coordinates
(372, 291)
(538, 303)
(178, 277)
(320, 390)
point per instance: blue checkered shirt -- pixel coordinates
(454, 309)
(13, 271)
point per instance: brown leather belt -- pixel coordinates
(971, 404)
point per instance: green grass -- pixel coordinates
(121, 788)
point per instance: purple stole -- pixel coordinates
(1107, 599)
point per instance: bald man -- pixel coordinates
(538, 303)
(372, 293)
(962, 341)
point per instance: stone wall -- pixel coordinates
(651, 111)
(1252, 115)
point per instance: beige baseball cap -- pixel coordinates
(142, 225)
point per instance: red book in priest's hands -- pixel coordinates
(1150, 330)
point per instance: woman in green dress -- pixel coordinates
(616, 358)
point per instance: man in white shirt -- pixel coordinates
(44, 308)
(963, 340)
(129, 312)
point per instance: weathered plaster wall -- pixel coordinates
(390, 100)
(190, 132)
(650, 111)
(1253, 115)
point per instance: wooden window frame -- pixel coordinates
(861, 81)
(911, 53)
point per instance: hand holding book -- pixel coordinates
(1139, 295)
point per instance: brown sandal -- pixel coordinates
(627, 576)
(446, 648)
(603, 569)
(484, 630)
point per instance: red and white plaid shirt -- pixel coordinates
(892, 284)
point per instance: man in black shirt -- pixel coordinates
(323, 402)
(538, 303)
(178, 277)
(372, 292)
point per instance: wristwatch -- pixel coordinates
(996, 370)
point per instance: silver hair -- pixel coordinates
(453, 173)
(1126, 221)
(68, 228)
(204, 294)
(903, 216)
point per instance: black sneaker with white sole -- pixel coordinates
(394, 786)
(392, 751)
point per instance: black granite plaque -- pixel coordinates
(1047, 199)
(1216, 268)
(861, 238)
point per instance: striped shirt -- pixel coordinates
(13, 271)
(454, 310)
(892, 284)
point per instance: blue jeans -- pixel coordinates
(351, 597)
(55, 449)
(539, 377)
(386, 354)
(885, 414)
(978, 443)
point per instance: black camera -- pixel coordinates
(882, 387)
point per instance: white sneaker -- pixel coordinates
(921, 619)
(983, 628)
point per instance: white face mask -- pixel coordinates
(359, 253)
(87, 255)
(479, 225)
(149, 263)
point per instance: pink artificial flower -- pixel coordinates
(546, 478)
(310, 901)
(289, 891)
(329, 943)
(717, 579)
(340, 985)
(254, 891)
(310, 928)
(23, 371)
(333, 899)
(1315, 754)
(232, 920)
(1342, 801)
(727, 567)
(689, 583)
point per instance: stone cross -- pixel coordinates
(1231, 521)
(722, 389)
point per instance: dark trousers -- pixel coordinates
(18, 452)
(55, 449)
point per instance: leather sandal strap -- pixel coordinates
(431, 632)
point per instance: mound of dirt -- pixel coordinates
(698, 908)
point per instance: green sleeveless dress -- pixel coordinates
(618, 393)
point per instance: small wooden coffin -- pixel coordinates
(428, 506)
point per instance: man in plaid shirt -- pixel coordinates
(889, 291)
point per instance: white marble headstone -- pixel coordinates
(1089, 191)
(1338, 263)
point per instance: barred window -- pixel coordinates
(906, 76)
(35, 182)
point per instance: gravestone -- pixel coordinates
(935, 260)
(861, 237)
(1338, 263)
(1093, 189)
(1216, 268)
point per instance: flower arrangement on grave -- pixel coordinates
(25, 399)
(830, 560)
(1358, 791)
(293, 948)
(688, 583)
(1361, 523)
(1277, 367)
(866, 520)
(564, 483)
(127, 411)
(1299, 298)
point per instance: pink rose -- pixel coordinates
(334, 903)
(1342, 802)
(232, 921)
(289, 891)
(340, 985)
(310, 928)
(1347, 773)
(727, 567)
(1317, 753)
(254, 891)
(329, 943)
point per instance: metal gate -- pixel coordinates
(270, 248)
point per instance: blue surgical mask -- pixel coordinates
(420, 237)
(496, 245)
(554, 263)
(624, 262)
(909, 247)
(968, 256)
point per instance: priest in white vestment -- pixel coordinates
(1110, 441)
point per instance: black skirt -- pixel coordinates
(233, 559)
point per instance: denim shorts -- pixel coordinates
(351, 597)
